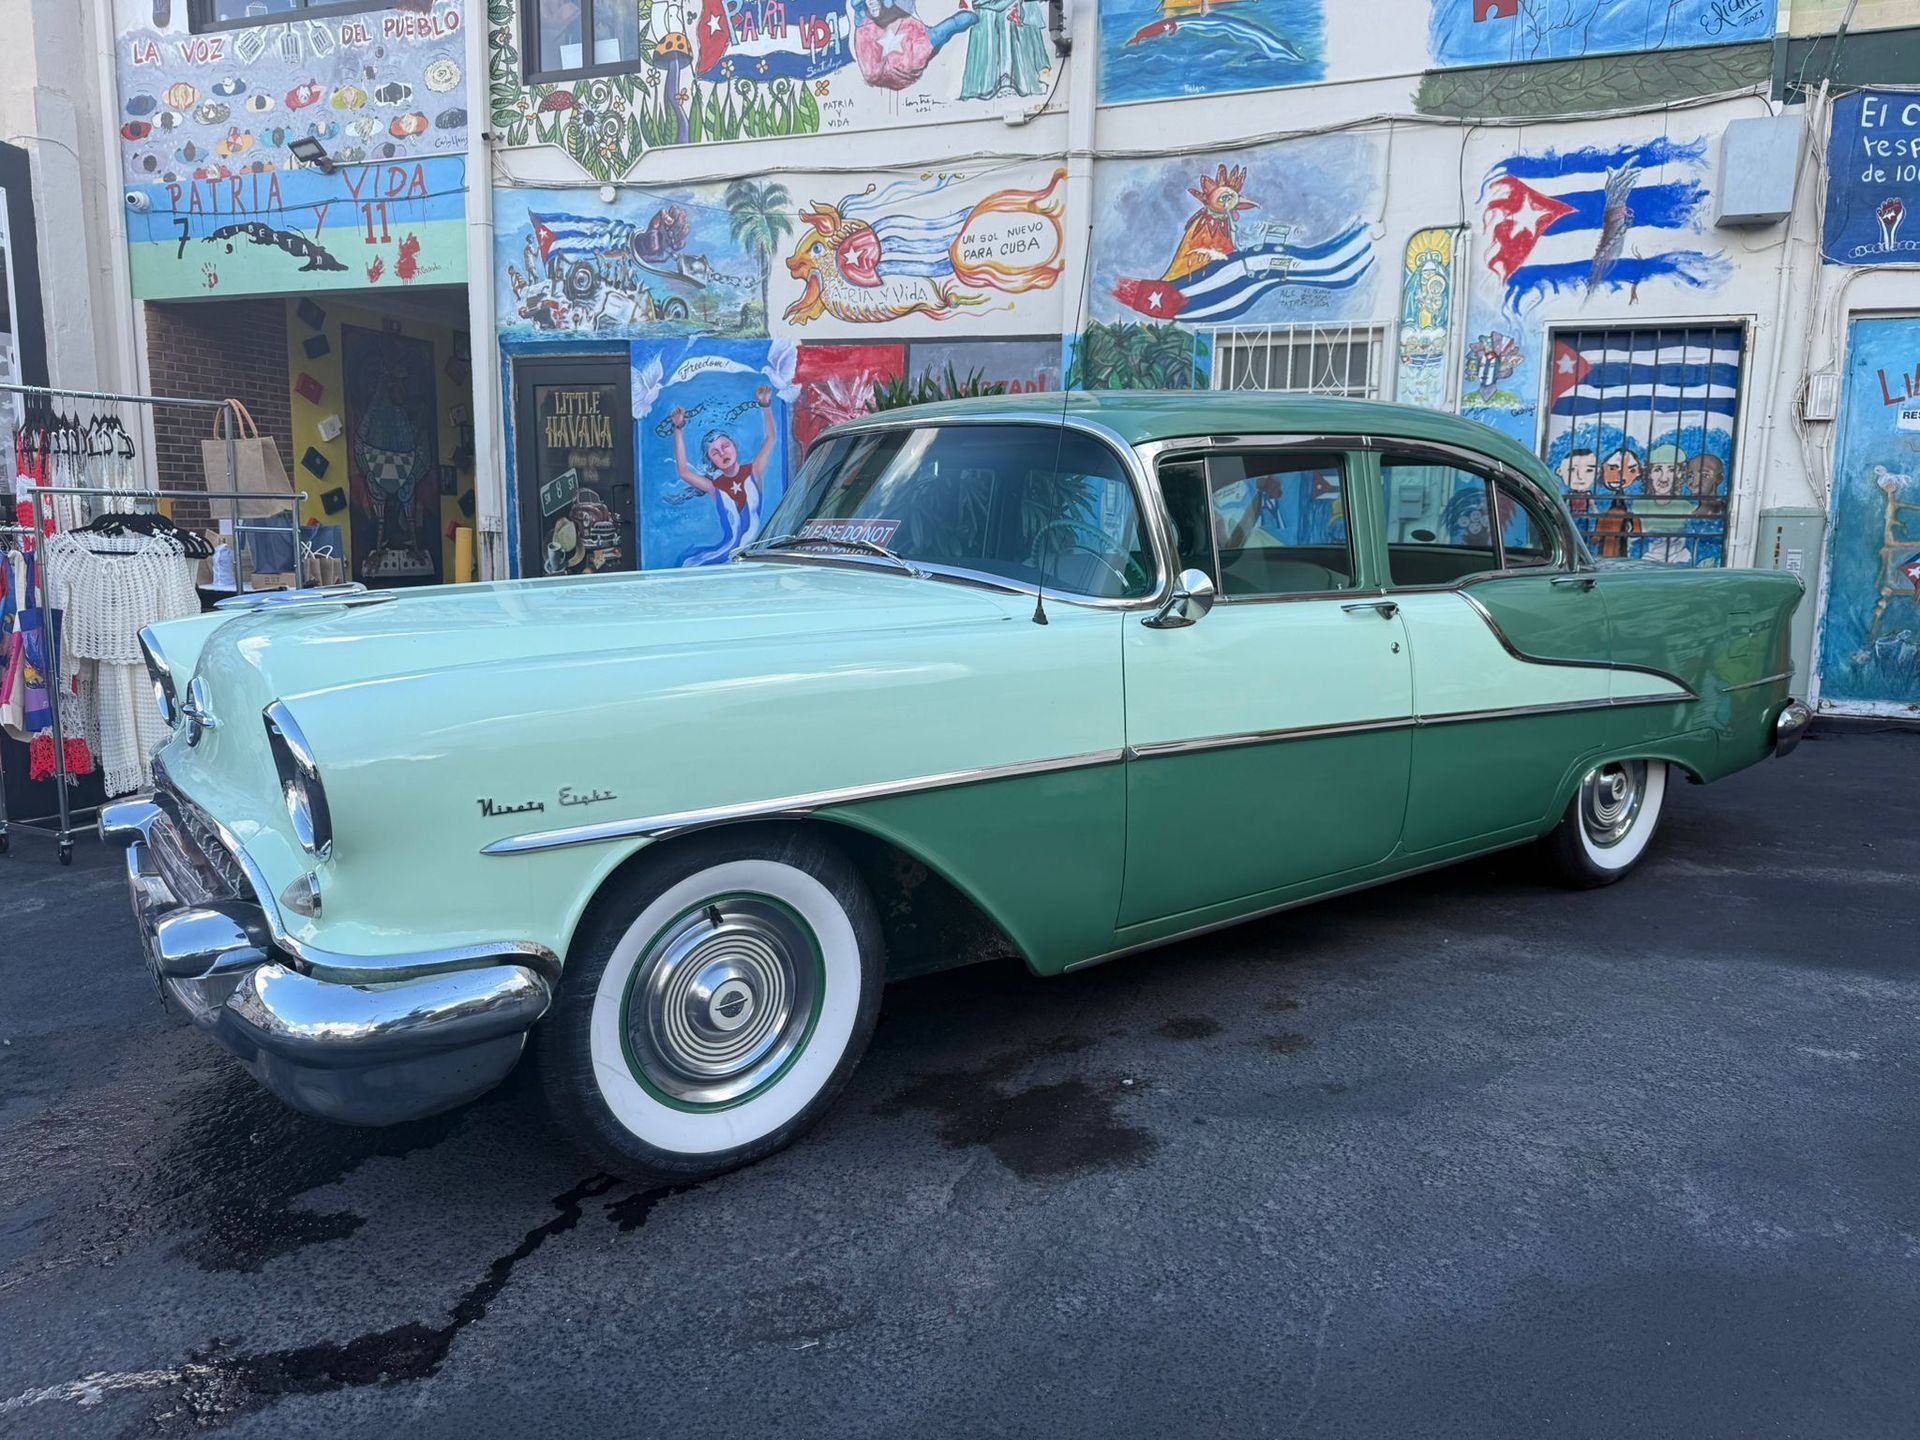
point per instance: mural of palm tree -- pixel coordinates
(759, 214)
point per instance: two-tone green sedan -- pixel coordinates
(1059, 678)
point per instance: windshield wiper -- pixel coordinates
(866, 547)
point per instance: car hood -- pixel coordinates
(307, 649)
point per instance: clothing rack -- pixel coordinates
(39, 494)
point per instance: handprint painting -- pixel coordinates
(712, 418)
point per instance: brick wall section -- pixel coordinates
(208, 351)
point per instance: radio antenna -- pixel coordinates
(1066, 395)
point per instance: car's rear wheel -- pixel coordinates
(716, 1001)
(1610, 823)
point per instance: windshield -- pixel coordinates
(1032, 505)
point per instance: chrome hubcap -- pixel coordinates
(1610, 801)
(722, 1000)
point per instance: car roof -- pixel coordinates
(1140, 416)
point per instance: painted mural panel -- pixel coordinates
(1870, 638)
(1573, 235)
(979, 251)
(1017, 367)
(1137, 355)
(1158, 49)
(1426, 318)
(278, 231)
(1499, 32)
(712, 420)
(682, 261)
(1873, 179)
(1276, 233)
(392, 429)
(760, 68)
(376, 85)
(837, 383)
(1640, 431)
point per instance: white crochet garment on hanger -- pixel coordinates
(105, 600)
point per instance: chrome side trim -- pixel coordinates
(1163, 748)
(1756, 684)
(1517, 653)
(353, 593)
(656, 827)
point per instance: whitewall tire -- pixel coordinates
(1611, 821)
(718, 997)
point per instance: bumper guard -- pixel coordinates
(362, 1053)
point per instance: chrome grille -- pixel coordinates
(192, 858)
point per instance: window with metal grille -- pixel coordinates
(1313, 359)
(1640, 430)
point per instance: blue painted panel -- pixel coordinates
(1873, 179)
(1870, 637)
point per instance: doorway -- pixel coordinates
(1870, 635)
(574, 465)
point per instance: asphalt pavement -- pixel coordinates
(1467, 1155)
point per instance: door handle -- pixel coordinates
(1582, 582)
(1385, 609)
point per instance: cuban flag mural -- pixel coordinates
(1601, 218)
(1640, 428)
(1230, 287)
(1276, 233)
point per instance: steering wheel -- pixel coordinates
(1077, 534)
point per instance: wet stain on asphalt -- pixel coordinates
(1042, 1132)
(636, 1209)
(237, 1169)
(1190, 1027)
(214, 1387)
(1286, 1042)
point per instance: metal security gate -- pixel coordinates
(1640, 430)
(1309, 359)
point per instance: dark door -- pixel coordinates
(574, 476)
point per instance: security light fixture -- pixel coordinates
(309, 151)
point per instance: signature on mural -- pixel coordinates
(877, 255)
(1222, 267)
(1600, 218)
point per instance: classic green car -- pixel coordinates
(1061, 678)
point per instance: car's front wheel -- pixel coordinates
(1610, 823)
(716, 1000)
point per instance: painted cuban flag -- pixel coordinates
(1619, 374)
(1229, 288)
(1599, 218)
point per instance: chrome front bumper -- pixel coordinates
(361, 1053)
(1789, 726)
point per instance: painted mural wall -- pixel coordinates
(1873, 179)
(679, 261)
(1164, 49)
(1270, 234)
(1870, 640)
(217, 204)
(1585, 256)
(1500, 32)
(765, 68)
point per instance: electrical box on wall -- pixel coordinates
(1759, 162)
(1794, 538)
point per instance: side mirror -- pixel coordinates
(1193, 596)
